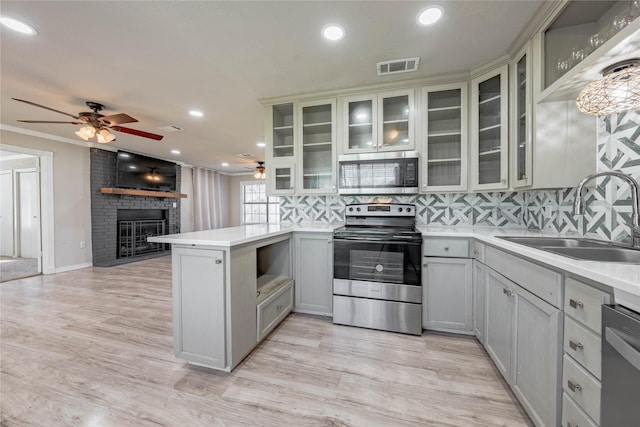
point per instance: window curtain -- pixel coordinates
(207, 199)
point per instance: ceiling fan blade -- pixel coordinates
(117, 119)
(137, 132)
(46, 108)
(49, 121)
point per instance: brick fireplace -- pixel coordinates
(121, 223)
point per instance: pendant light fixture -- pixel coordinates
(259, 174)
(618, 90)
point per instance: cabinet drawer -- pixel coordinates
(478, 251)
(583, 345)
(583, 387)
(275, 308)
(583, 303)
(573, 416)
(458, 248)
(543, 283)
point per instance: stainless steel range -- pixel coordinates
(376, 266)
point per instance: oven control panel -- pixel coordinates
(381, 209)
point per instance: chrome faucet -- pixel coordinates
(579, 202)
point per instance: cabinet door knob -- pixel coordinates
(574, 386)
(446, 248)
(576, 304)
(218, 261)
(575, 346)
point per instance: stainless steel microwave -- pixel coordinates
(379, 173)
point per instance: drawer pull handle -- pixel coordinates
(218, 261)
(575, 346)
(574, 386)
(446, 248)
(575, 304)
(507, 292)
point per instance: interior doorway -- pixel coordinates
(20, 215)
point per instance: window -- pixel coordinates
(257, 208)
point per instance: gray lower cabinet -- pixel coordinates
(479, 289)
(537, 365)
(523, 337)
(447, 294)
(313, 273)
(499, 321)
(198, 306)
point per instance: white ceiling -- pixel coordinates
(155, 60)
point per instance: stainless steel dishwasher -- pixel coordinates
(620, 393)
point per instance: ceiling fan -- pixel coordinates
(96, 124)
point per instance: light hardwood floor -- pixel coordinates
(93, 347)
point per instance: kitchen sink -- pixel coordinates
(567, 242)
(584, 249)
(606, 254)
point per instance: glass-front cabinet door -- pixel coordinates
(444, 119)
(521, 147)
(489, 121)
(395, 120)
(360, 131)
(280, 177)
(282, 131)
(316, 153)
(378, 122)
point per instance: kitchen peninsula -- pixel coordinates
(231, 287)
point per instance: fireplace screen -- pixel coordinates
(132, 237)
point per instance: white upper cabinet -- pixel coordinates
(281, 131)
(316, 151)
(280, 149)
(521, 118)
(378, 122)
(444, 129)
(489, 130)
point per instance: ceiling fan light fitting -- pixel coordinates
(104, 136)
(86, 132)
(260, 173)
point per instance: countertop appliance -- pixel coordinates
(379, 173)
(620, 392)
(377, 269)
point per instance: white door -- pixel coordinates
(28, 181)
(6, 214)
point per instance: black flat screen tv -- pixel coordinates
(145, 173)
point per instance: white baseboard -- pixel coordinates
(73, 267)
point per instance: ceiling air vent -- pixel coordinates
(171, 128)
(245, 155)
(396, 66)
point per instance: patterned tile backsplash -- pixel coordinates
(608, 203)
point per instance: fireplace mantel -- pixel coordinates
(132, 192)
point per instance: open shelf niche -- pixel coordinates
(274, 268)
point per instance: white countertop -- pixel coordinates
(623, 278)
(233, 236)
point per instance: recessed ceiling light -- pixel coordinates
(261, 144)
(175, 151)
(18, 26)
(333, 32)
(196, 113)
(225, 164)
(430, 15)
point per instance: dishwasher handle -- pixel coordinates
(620, 345)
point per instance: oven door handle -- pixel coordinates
(374, 240)
(620, 345)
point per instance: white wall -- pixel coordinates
(71, 198)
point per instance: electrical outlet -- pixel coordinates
(175, 204)
(83, 244)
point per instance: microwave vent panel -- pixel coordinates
(397, 66)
